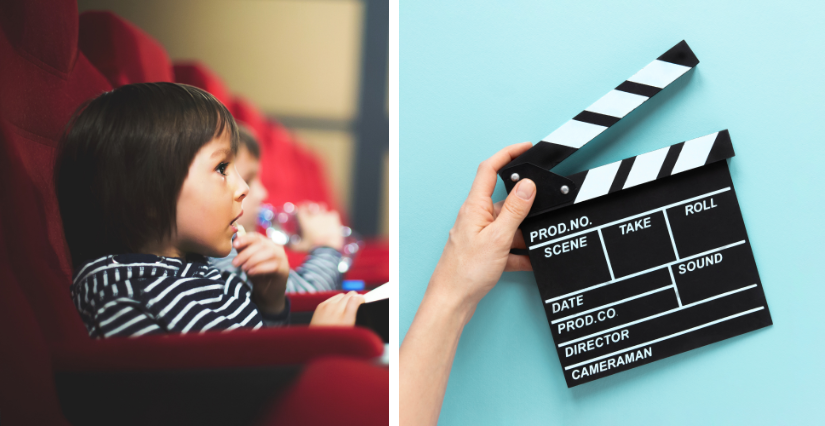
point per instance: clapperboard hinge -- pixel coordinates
(554, 191)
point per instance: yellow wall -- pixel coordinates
(296, 58)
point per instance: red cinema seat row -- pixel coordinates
(198, 75)
(269, 133)
(121, 51)
(48, 357)
(340, 386)
(246, 113)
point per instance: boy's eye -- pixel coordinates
(222, 168)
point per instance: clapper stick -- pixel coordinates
(554, 190)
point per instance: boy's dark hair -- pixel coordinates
(122, 161)
(248, 140)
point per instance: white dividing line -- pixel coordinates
(613, 304)
(656, 316)
(709, 194)
(636, 274)
(670, 232)
(675, 289)
(698, 327)
(606, 257)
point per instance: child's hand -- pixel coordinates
(337, 310)
(319, 227)
(267, 266)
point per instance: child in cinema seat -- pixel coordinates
(147, 189)
(321, 230)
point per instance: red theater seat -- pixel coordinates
(338, 385)
(48, 358)
(197, 74)
(121, 51)
(246, 113)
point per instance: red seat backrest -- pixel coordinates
(198, 75)
(27, 393)
(43, 79)
(124, 53)
(246, 113)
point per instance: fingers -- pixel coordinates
(254, 249)
(258, 257)
(515, 208)
(518, 263)
(242, 244)
(331, 300)
(242, 241)
(340, 309)
(485, 180)
(351, 309)
(265, 267)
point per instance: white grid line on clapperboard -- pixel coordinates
(673, 280)
(672, 284)
(698, 327)
(586, 231)
(670, 232)
(661, 314)
(636, 274)
(619, 302)
(610, 264)
(606, 257)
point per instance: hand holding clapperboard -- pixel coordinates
(643, 258)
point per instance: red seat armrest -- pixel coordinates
(235, 349)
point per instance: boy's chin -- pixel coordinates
(224, 249)
(218, 251)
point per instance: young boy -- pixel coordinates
(321, 230)
(147, 189)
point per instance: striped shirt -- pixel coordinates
(319, 272)
(137, 294)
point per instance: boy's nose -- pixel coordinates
(242, 191)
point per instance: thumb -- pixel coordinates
(516, 207)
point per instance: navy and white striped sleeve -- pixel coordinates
(124, 316)
(319, 272)
(220, 302)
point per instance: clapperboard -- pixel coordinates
(643, 258)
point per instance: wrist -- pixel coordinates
(270, 307)
(337, 244)
(449, 303)
(271, 297)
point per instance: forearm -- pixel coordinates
(319, 272)
(426, 356)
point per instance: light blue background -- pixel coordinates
(476, 76)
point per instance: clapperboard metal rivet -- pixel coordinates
(631, 277)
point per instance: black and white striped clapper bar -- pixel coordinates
(643, 258)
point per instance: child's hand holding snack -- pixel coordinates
(319, 228)
(267, 267)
